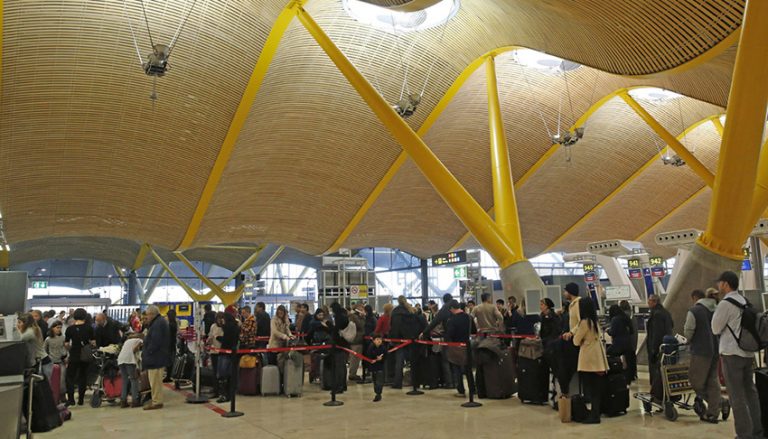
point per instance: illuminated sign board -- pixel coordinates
(633, 263)
(450, 258)
(657, 261)
(589, 267)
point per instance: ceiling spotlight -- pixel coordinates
(407, 105)
(157, 61)
(673, 160)
(568, 138)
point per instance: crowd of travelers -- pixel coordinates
(572, 339)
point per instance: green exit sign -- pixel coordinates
(40, 284)
(460, 273)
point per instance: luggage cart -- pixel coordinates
(678, 393)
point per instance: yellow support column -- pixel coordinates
(453, 193)
(505, 204)
(729, 222)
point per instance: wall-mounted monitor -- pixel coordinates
(555, 294)
(532, 299)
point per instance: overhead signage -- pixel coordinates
(618, 292)
(40, 284)
(656, 261)
(658, 272)
(633, 263)
(588, 267)
(635, 273)
(590, 277)
(358, 291)
(458, 257)
(746, 265)
(460, 272)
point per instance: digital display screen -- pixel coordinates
(657, 260)
(589, 267)
(633, 263)
(450, 258)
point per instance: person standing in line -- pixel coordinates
(659, 325)
(280, 333)
(173, 331)
(633, 340)
(228, 340)
(214, 332)
(737, 363)
(457, 330)
(77, 336)
(263, 324)
(126, 361)
(248, 328)
(378, 352)
(569, 353)
(488, 318)
(154, 356)
(54, 344)
(620, 330)
(702, 372)
(593, 362)
(357, 318)
(209, 318)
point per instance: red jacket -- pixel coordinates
(383, 325)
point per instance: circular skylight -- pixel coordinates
(542, 61)
(652, 94)
(398, 20)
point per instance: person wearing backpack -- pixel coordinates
(727, 321)
(703, 369)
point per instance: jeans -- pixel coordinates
(378, 381)
(130, 378)
(702, 375)
(743, 396)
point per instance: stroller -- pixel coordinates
(109, 383)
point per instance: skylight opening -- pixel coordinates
(399, 21)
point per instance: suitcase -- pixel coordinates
(270, 380)
(113, 387)
(534, 381)
(761, 382)
(183, 365)
(579, 410)
(55, 382)
(497, 379)
(293, 377)
(45, 414)
(429, 369)
(248, 381)
(615, 401)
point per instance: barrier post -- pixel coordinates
(470, 377)
(414, 352)
(233, 377)
(197, 398)
(333, 402)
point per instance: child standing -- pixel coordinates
(126, 361)
(378, 352)
(54, 344)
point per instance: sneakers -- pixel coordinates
(153, 407)
(377, 398)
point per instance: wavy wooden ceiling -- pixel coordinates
(83, 152)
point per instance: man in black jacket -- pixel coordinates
(457, 330)
(155, 355)
(263, 322)
(107, 331)
(405, 325)
(438, 322)
(659, 325)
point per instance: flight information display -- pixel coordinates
(656, 261)
(633, 263)
(450, 258)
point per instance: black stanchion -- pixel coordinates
(414, 363)
(333, 402)
(233, 378)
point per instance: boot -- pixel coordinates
(223, 391)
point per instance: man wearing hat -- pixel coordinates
(737, 363)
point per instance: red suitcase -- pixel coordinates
(113, 387)
(55, 383)
(249, 380)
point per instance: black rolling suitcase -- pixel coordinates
(533, 381)
(761, 382)
(615, 401)
(497, 378)
(429, 369)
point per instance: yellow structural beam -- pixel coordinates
(226, 298)
(718, 126)
(729, 223)
(672, 212)
(238, 120)
(190, 292)
(503, 185)
(244, 266)
(453, 193)
(622, 186)
(690, 160)
(580, 122)
(143, 251)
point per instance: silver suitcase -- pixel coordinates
(270, 380)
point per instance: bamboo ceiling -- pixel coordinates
(87, 156)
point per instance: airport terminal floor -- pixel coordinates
(437, 413)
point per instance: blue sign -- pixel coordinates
(746, 265)
(593, 293)
(658, 272)
(648, 281)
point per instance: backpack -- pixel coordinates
(756, 324)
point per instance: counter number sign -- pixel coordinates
(657, 261)
(633, 263)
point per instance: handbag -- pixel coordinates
(530, 348)
(456, 355)
(86, 353)
(248, 362)
(349, 332)
(564, 408)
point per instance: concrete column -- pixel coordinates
(697, 271)
(519, 277)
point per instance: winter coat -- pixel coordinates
(621, 334)
(405, 324)
(155, 354)
(280, 331)
(317, 333)
(383, 325)
(659, 324)
(359, 322)
(592, 357)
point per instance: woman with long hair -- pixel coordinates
(33, 337)
(229, 341)
(173, 331)
(214, 332)
(593, 362)
(280, 333)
